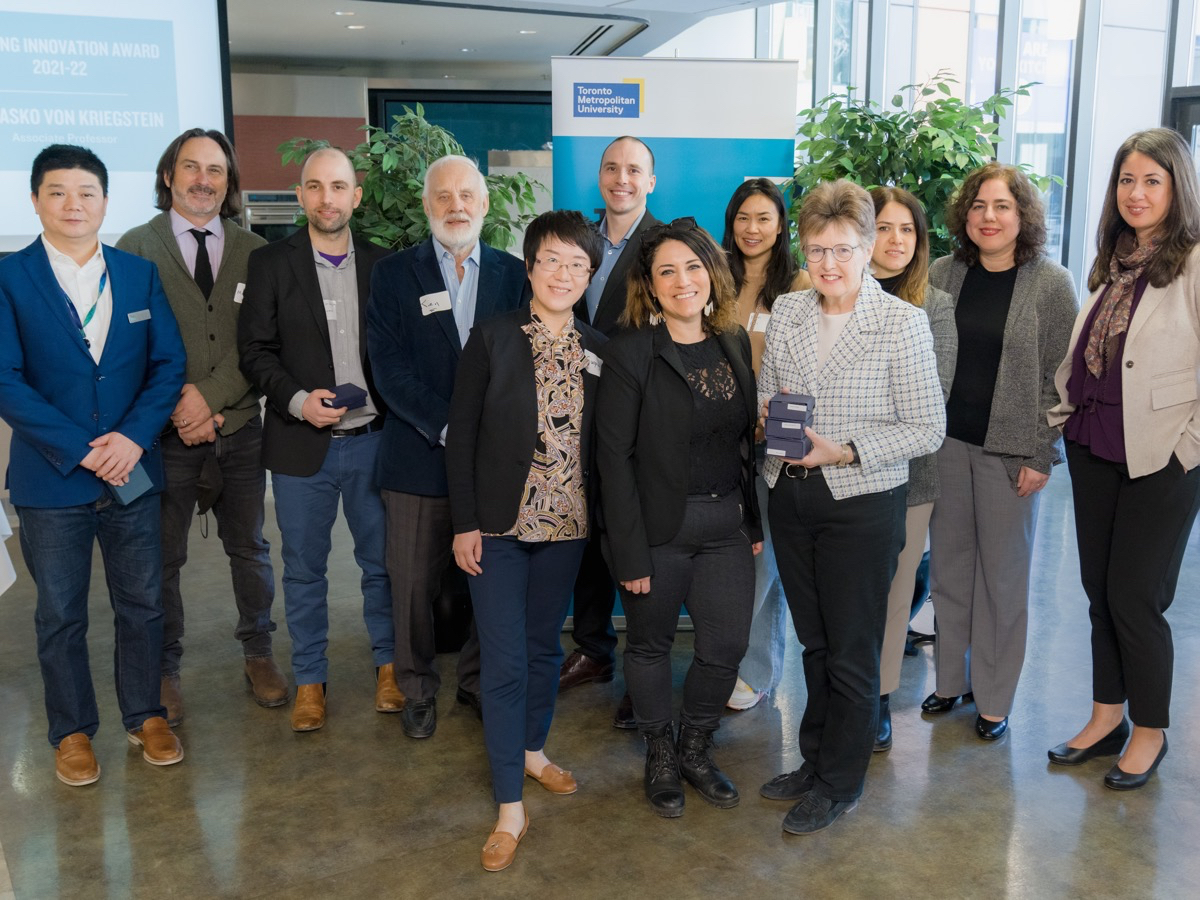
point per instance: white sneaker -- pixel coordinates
(743, 696)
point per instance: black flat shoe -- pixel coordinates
(471, 699)
(1109, 745)
(989, 730)
(419, 718)
(1120, 780)
(937, 705)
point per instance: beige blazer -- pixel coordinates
(1159, 386)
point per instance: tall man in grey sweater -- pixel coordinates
(212, 446)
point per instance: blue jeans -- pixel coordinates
(306, 509)
(762, 667)
(520, 604)
(57, 546)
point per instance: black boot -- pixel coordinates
(695, 761)
(883, 735)
(661, 782)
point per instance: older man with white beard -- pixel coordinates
(423, 304)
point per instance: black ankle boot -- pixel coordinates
(695, 761)
(883, 735)
(661, 782)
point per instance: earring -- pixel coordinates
(708, 308)
(655, 319)
(656, 316)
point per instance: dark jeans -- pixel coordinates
(520, 604)
(57, 546)
(710, 566)
(239, 515)
(595, 595)
(837, 559)
(1132, 534)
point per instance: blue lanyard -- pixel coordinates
(81, 325)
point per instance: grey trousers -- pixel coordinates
(981, 542)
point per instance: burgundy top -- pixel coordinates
(1097, 422)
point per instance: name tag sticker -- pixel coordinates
(237, 295)
(140, 316)
(432, 303)
(330, 309)
(594, 363)
(761, 321)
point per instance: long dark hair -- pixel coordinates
(781, 265)
(914, 280)
(1180, 230)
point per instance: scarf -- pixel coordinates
(1128, 263)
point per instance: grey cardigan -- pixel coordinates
(939, 307)
(1036, 335)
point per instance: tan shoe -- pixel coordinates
(159, 745)
(74, 762)
(501, 847)
(267, 683)
(555, 780)
(171, 697)
(388, 696)
(308, 712)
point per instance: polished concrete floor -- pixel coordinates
(358, 810)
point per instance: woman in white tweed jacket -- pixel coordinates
(838, 514)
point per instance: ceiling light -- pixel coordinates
(341, 13)
(524, 31)
(356, 27)
(467, 50)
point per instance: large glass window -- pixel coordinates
(849, 56)
(926, 36)
(790, 36)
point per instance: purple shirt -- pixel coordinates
(214, 243)
(1098, 422)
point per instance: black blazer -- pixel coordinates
(283, 341)
(612, 298)
(643, 429)
(494, 419)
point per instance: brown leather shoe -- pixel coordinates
(74, 762)
(501, 848)
(308, 712)
(555, 780)
(171, 697)
(159, 745)
(267, 683)
(388, 697)
(580, 669)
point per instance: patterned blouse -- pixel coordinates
(554, 504)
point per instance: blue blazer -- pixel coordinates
(57, 399)
(415, 357)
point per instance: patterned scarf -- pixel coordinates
(1128, 263)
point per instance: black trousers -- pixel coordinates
(595, 596)
(1132, 534)
(709, 565)
(837, 559)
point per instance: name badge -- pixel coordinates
(432, 303)
(594, 363)
(330, 309)
(761, 321)
(237, 295)
(140, 316)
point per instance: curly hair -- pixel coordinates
(781, 265)
(914, 281)
(1031, 239)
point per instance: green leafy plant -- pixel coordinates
(395, 161)
(926, 146)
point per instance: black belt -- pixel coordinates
(799, 472)
(376, 424)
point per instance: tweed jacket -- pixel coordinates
(208, 326)
(1036, 335)
(923, 484)
(879, 387)
(1159, 391)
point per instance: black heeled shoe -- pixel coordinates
(1120, 780)
(989, 730)
(935, 704)
(1109, 745)
(883, 734)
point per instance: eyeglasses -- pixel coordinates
(552, 265)
(841, 252)
(686, 223)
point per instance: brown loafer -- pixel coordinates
(159, 745)
(555, 780)
(74, 762)
(267, 683)
(581, 669)
(171, 697)
(388, 696)
(308, 712)
(501, 848)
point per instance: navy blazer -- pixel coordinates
(57, 399)
(283, 339)
(494, 423)
(416, 357)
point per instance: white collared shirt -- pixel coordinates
(81, 284)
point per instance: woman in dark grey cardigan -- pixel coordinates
(900, 261)
(1014, 309)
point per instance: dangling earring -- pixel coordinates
(708, 308)
(656, 316)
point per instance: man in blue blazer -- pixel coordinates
(423, 304)
(91, 365)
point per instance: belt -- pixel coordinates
(376, 424)
(799, 472)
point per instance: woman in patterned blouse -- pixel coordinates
(517, 457)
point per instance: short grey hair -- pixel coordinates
(446, 160)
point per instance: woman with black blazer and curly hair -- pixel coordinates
(1013, 310)
(675, 422)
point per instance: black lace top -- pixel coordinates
(718, 419)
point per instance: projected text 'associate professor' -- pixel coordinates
(612, 100)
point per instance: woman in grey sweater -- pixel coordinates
(1013, 309)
